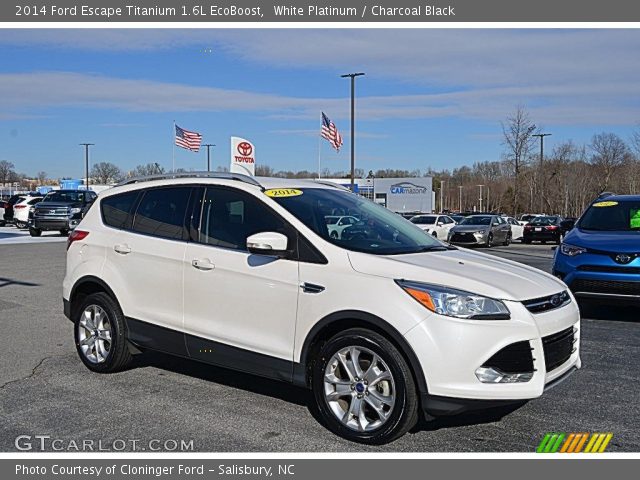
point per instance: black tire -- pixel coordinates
(21, 225)
(489, 242)
(64, 232)
(526, 240)
(35, 232)
(435, 234)
(507, 241)
(404, 413)
(334, 234)
(119, 355)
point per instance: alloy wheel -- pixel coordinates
(359, 388)
(94, 334)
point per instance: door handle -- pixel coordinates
(122, 248)
(311, 288)
(202, 264)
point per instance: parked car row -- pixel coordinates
(59, 210)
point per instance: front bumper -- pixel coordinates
(467, 239)
(598, 276)
(60, 223)
(451, 350)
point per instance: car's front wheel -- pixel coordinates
(35, 232)
(100, 334)
(364, 389)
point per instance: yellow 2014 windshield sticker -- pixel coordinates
(605, 204)
(282, 192)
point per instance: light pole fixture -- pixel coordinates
(86, 163)
(209, 145)
(353, 76)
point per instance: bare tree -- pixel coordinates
(148, 169)
(517, 131)
(609, 155)
(6, 172)
(105, 172)
(42, 177)
(264, 171)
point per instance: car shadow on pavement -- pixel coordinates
(224, 376)
(598, 311)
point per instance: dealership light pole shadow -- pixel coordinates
(86, 164)
(353, 76)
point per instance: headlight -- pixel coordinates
(455, 303)
(571, 250)
(480, 232)
(73, 211)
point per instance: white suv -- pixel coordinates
(382, 324)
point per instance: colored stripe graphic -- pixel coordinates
(574, 442)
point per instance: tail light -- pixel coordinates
(17, 207)
(527, 227)
(552, 227)
(75, 236)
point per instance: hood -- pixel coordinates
(465, 270)
(469, 228)
(616, 242)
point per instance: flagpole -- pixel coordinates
(173, 137)
(319, 145)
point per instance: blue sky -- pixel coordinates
(431, 97)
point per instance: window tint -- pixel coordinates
(115, 209)
(161, 212)
(230, 216)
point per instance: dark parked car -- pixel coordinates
(8, 208)
(543, 229)
(484, 230)
(60, 210)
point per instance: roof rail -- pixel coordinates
(163, 176)
(605, 194)
(331, 184)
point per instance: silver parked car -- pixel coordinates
(486, 230)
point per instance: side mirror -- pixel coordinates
(495, 224)
(439, 224)
(268, 243)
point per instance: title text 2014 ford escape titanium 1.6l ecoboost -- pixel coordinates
(381, 324)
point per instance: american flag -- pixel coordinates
(330, 132)
(189, 140)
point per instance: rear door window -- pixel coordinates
(116, 209)
(161, 212)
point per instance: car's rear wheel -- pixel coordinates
(35, 232)
(21, 225)
(527, 240)
(364, 389)
(334, 234)
(507, 241)
(100, 334)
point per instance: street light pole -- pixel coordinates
(480, 197)
(86, 164)
(460, 192)
(541, 135)
(209, 145)
(353, 76)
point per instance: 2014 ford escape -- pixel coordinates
(381, 324)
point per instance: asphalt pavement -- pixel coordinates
(45, 389)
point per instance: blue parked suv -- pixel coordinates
(600, 256)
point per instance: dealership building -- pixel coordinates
(411, 194)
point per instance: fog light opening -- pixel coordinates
(492, 375)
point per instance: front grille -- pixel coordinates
(605, 286)
(544, 304)
(609, 269)
(45, 212)
(558, 348)
(514, 358)
(463, 237)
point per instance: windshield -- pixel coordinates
(544, 221)
(61, 196)
(423, 220)
(377, 230)
(612, 216)
(476, 221)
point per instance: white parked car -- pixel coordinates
(517, 230)
(336, 224)
(21, 210)
(436, 225)
(527, 217)
(242, 273)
